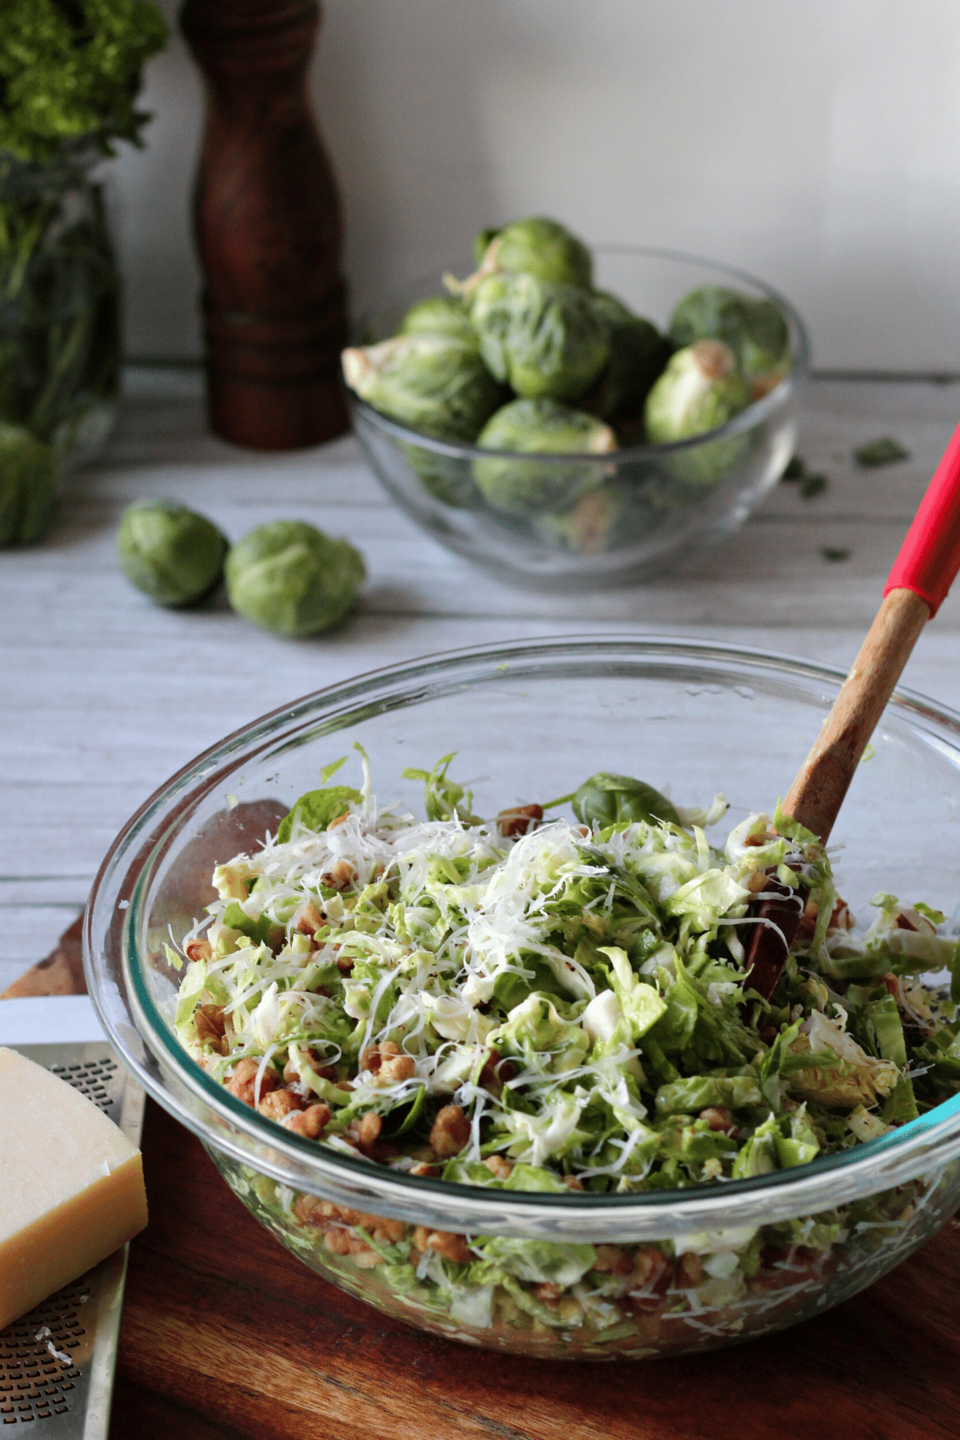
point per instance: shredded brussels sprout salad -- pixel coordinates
(536, 1003)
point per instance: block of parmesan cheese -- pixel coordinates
(71, 1185)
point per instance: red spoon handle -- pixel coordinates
(930, 555)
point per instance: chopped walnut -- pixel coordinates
(397, 1068)
(342, 875)
(573, 1182)
(611, 1260)
(756, 881)
(198, 950)
(279, 1104)
(310, 919)
(651, 1270)
(309, 1123)
(243, 1083)
(424, 1169)
(450, 1131)
(496, 1072)
(366, 1132)
(211, 1024)
(841, 919)
(547, 1292)
(337, 1222)
(689, 1272)
(314, 1211)
(388, 1062)
(519, 820)
(499, 1167)
(444, 1242)
(910, 919)
(718, 1117)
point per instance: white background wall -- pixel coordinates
(816, 143)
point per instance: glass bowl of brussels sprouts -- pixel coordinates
(503, 1079)
(593, 419)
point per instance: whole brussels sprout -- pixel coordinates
(587, 527)
(537, 246)
(699, 391)
(438, 315)
(290, 578)
(755, 330)
(523, 487)
(29, 476)
(545, 339)
(638, 353)
(481, 242)
(618, 515)
(169, 552)
(447, 478)
(432, 382)
(607, 799)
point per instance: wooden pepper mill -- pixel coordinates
(268, 228)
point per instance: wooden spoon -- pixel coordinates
(922, 574)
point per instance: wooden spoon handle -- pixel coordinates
(817, 793)
(921, 576)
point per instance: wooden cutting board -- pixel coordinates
(225, 1336)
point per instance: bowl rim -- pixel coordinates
(755, 414)
(257, 1142)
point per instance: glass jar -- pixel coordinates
(59, 303)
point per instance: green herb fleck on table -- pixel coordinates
(812, 485)
(834, 552)
(880, 452)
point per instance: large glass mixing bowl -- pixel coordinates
(639, 510)
(637, 1275)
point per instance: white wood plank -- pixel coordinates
(103, 695)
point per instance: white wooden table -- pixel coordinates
(104, 695)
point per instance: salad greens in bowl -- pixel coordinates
(446, 968)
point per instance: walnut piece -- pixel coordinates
(244, 1079)
(450, 1131)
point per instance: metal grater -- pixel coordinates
(57, 1363)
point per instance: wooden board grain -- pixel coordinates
(225, 1336)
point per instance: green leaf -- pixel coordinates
(258, 930)
(404, 1117)
(797, 1143)
(318, 807)
(608, 799)
(444, 799)
(884, 1016)
(511, 989)
(791, 829)
(697, 1092)
(900, 1105)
